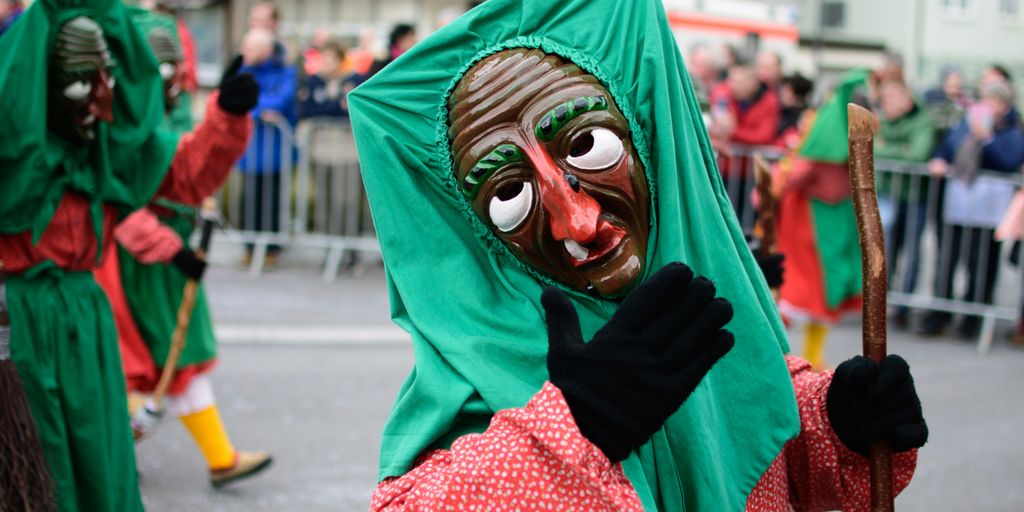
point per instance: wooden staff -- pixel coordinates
(764, 228)
(147, 416)
(862, 128)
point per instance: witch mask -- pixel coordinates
(544, 156)
(81, 81)
(168, 54)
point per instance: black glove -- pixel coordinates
(870, 402)
(640, 367)
(238, 92)
(772, 267)
(189, 264)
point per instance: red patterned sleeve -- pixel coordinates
(533, 458)
(146, 238)
(205, 155)
(823, 473)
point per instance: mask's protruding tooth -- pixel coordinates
(576, 250)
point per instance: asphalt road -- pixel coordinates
(319, 406)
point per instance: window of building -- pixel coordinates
(833, 14)
(956, 7)
(1009, 9)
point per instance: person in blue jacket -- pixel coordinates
(324, 94)
(271, 149)
(989, 139)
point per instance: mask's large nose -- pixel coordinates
(572, 213)
(102, 105)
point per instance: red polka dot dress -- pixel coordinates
(535, 458)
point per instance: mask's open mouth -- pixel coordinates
(609, 237)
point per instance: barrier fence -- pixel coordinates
(304, 189)
(299, 188)
(943, 259)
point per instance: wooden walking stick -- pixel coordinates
(147, 416)
(872, 247)
(764, 228)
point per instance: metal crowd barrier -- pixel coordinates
(939, 235)
(299, 188)
(334, 214)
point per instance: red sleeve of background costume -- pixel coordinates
(146, 238)
(188, 48)
(206, 154)
(823, 473)
(533, 458)
(758, 124)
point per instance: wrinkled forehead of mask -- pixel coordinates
(167, 51)
(164, 46)
(80, 48)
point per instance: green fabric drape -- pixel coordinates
(64, 344)
(126, 163)
(473, 309)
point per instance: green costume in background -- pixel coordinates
(154, 291)
(473, 308)
(63, 339)
(154, 294)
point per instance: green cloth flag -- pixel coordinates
(828, 140)
(126, 163)
(473, 309)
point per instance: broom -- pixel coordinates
(25, 484)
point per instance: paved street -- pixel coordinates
(319, 403)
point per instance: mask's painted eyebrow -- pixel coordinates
(559, 116)
(498, 157)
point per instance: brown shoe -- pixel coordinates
(246, 465)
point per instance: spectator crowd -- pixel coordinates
(966, 137)
(963, 131)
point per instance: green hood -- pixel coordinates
(473, 309)
(828, 138)
(126, 162)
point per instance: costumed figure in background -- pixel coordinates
(72, 159)
(526, 203)
(144, 276)
(816, 227)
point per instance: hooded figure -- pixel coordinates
(817, 230)
(554, 148)
(74, 157)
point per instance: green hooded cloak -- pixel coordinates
(473, 309)
(126, 162)
(828, 141)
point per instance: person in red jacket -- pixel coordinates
(743, 109)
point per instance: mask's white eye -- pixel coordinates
(597, 149)
(511, 205)
(78, 91)
(166, 71)
(111, 82)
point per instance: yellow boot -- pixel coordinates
(814, 344)
(226, 464)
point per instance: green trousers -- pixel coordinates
(64, 345)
